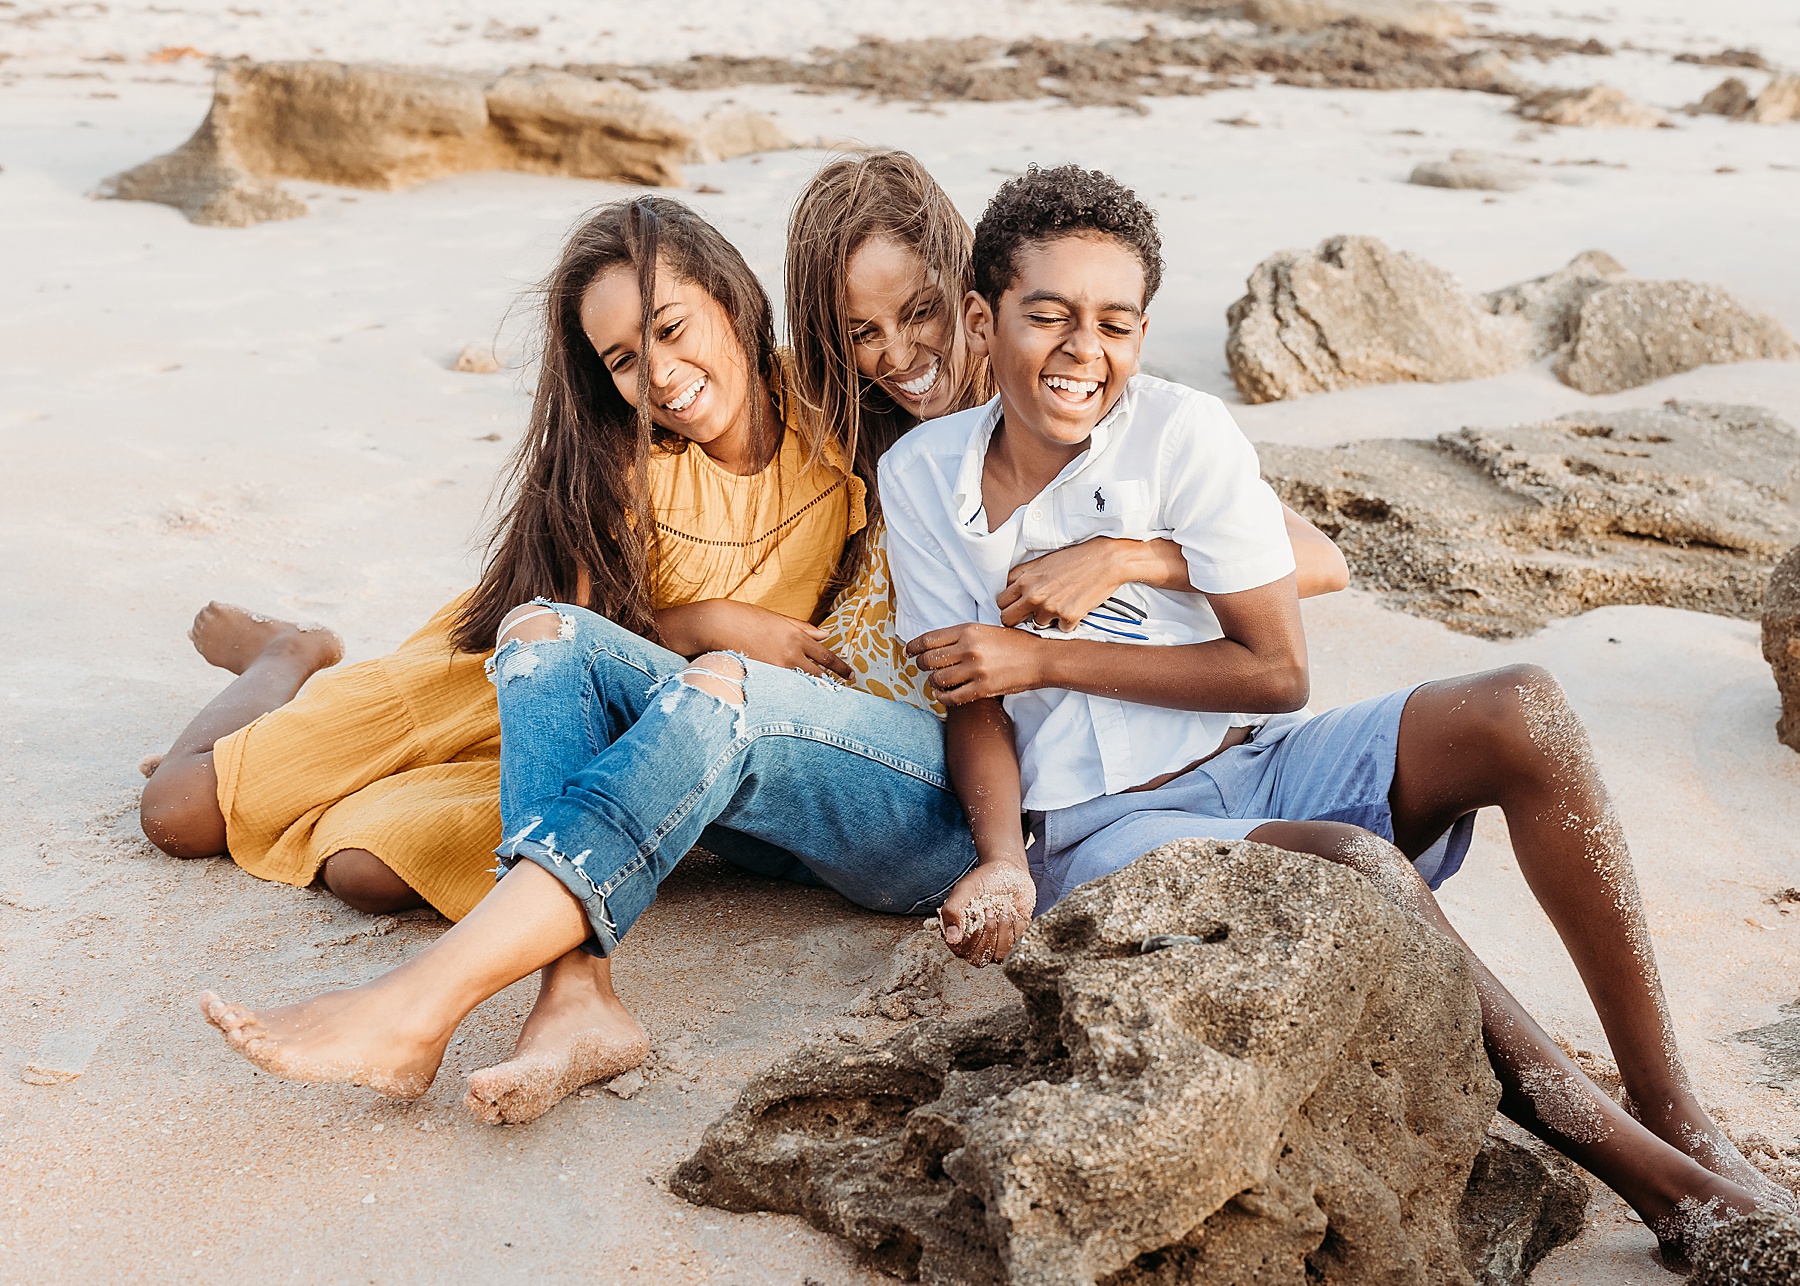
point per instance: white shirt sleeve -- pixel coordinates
(928, 592)
(1226, 519)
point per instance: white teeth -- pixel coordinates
(1081, 387)
(924, 384)
(687, 397)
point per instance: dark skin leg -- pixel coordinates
(1541, 1088)
(1509, 739)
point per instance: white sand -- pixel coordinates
(265, 416)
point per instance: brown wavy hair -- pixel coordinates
(850, 200)
(576, 504)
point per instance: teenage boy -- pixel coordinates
(1105, 732)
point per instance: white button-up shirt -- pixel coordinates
(1166, 461)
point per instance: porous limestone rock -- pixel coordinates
(1596, 107)
(1523, 1201)
(1417, 17)
(1355, 312)
(1781, 643)
(1551, 304)
(1759, 1249)
(726, 133)
(1628, 333)
(1730, 97)
(382, 127)
(1230, 1063)
(1471, 170)
(1496, 531)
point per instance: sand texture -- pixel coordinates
(272, 415)
(1198, 1085)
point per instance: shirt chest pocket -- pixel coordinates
(1119, 507)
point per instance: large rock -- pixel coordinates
(1632, 332)
(1471, 170)
(1551, 304)
(1781, 643)
(1596, 107)
(1778, 103)
(1523, 1201)
(1354, 312)
(1496, 531)
(386, 127)
(1230, 1063)
(1760, 1249)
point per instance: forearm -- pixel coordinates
(984, 767)
(1319, 566)
(1218, 675)
(689, 628)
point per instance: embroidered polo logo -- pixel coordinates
(1099, 501)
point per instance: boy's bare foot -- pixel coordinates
(575, 1035)
(363, 1036)
(1680, 1229)
(232, 637)
(1698, 1135)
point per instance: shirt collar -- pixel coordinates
(967, 493)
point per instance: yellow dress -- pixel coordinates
(401, 755)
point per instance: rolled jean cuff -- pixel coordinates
(608, 915)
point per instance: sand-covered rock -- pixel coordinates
(1550, 304)
(726, 133)
(1596, 107)
(1629, 333)
(1781, 643)
(1419, 17)
(1778, 103)
(1730, 97)
(1354, 312)
(381, 127)
(1496, 531)
(1760, 1249)
(1230, 1063)
(1523, 1201)
(1474, 170)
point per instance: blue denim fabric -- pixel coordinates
(613, 765)
(1337, 766)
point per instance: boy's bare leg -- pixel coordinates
(578, 1032)
(1679, 1199)
(390, 1034)
(180, 808)
(1509, 738)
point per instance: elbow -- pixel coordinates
(1289, 688)
(1328, 575)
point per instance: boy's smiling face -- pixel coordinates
(1065, 336)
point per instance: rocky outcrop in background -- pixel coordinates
(1595, 107)
(1230, 1063)
(1778, 103)
(371, 126)
(1496, 531)
(1354, 312)
(1781, 643)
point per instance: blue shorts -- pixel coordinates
(1332, 767)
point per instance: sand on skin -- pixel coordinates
(267, 416)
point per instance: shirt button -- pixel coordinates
(1037, 513)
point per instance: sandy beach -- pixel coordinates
(268, 416)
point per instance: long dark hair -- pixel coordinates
(578, 503)
(848, 201)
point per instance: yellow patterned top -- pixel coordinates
(860, 629)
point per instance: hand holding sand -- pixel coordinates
(986, 912)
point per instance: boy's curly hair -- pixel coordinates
(1043, 205)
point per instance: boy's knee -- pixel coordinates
(178, 823)
(719, 673)
(1340, 842)
(1528, 722)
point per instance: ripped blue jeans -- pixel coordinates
(613, 764)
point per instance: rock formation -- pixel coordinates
(1355, 312)
(1471, 170)
(1781, 643)
(1778, 103)
(1596, 107)
(382, 127)
(1496, 531)
(1230, 1063)
(1633, 332)
(1523, 1201)
(1760, 1249)
(1416, 17)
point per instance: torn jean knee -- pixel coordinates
(674, 685)
(516, 658)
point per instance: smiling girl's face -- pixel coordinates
(699, 377)
(902, 329)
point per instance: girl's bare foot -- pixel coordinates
(578, 1032)
(367, 1035)
(231, 637)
